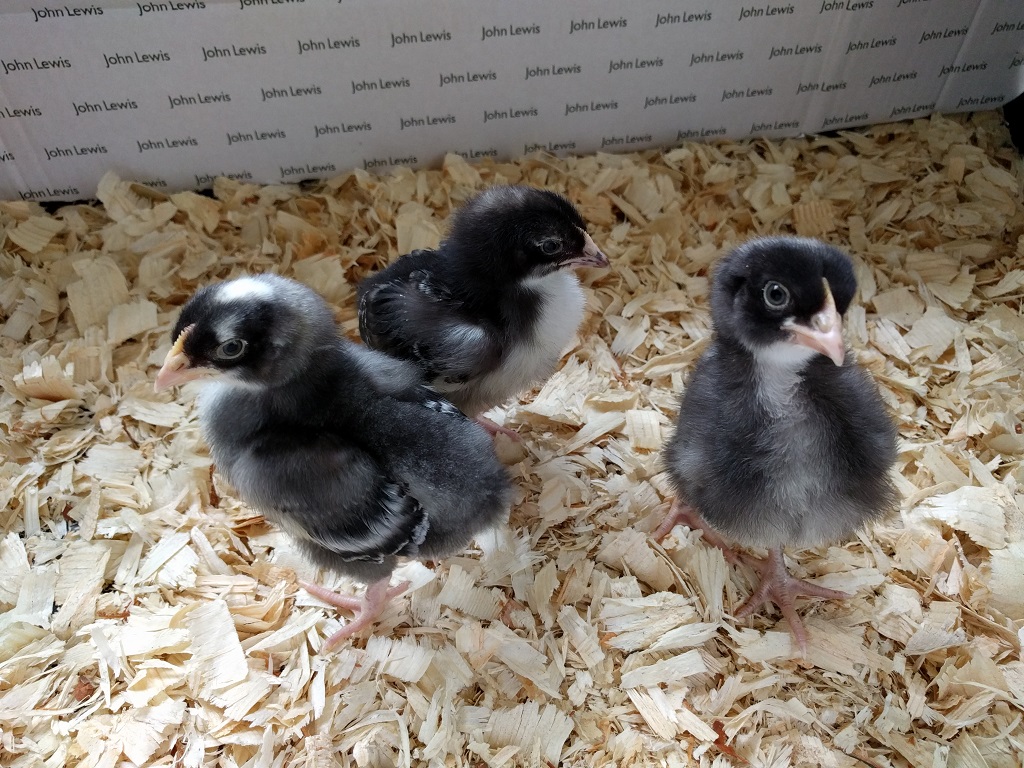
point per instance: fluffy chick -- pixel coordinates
(781, 438)
(489, 313)
(341, 446)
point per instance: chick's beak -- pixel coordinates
(825, 332)
(590, 256)
(177, 368)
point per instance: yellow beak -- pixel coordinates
(824, 334)
(591, 256)
(177, 368)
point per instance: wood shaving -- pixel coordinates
(149, 618)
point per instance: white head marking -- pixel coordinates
(243, 288)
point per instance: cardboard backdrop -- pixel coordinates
(175, 93)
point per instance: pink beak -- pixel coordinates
(824, 334)
(590, 257)
(177, 368)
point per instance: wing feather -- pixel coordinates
(334, 495)
(416, 319)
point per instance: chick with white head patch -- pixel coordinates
(341, 446)
(489, 313)
(781, 438)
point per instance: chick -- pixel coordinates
(340, 446)
(489, 313)
(781, 438)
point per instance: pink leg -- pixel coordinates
(779, 586)
(366, 608)
(493, 429)
(687, 515)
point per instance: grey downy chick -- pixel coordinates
(488, 314)
(340, 446)
(782, 439)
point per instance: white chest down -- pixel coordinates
(806, 512)
(534, 358)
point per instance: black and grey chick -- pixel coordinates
(781, 438)
(489, 313)
(339, 445)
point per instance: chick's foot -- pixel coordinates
(688, 516)
(781, 587)
(367, 609)
(493, 429)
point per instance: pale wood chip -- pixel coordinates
(523, 659)
(217, 658)
(689, 722)
(126, 321)
(955, 168)
(632, 549)
(530, 727)
(981, 513)
(643, 428)
(641, 623)
(1011, 282)
(931, 638)
(141, 732)
(582, 635)
(35, 233)
(14, 564)
(460, 592)
(117, 463)
(597, 425)
(899, 305)
(630, 335)
(933, 333)
(35, 600)
(101, 288)
(957, 292)
(1006, 582)
(813, 218)
(877, 174)
(655, 711)
(416, 227)
(933, 266)
(151, 682)
(669, 671)
(613, 400)
(83, 568)
(47, 379)
(401, 658)
(202, 211)
(156, 413)
(629, 210)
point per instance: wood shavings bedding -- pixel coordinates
(151, 619)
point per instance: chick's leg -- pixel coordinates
(779, 586)
(687, 515)
(366, 608)
(493, 428)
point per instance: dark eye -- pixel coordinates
(776, 295)
(550, 247)
(232, 349)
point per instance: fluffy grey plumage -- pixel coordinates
(339, 445)
(488, 314)
(777, 444)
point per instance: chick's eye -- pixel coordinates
(232, 349)
(550, 247)
(776, 295)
